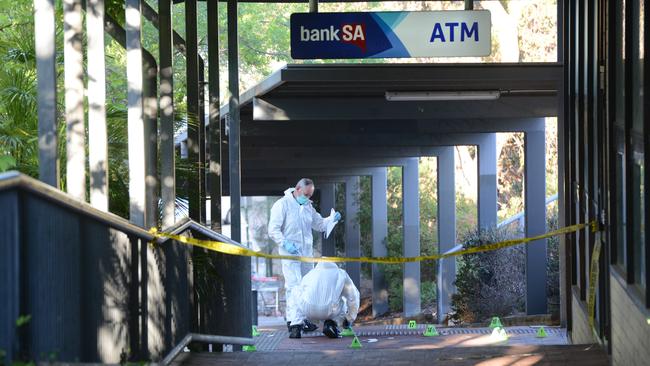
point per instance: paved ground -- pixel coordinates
(455, 356)
(398, 345)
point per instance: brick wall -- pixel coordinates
(630, 328)
(580, 332)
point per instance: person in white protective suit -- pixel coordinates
(326, 293)
(292, 219)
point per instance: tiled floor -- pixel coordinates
(398, 345)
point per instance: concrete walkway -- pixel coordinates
(398, 345)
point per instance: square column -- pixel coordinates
(487, 181)
(535, 192)
(136, 129)
(379, 235)
(44, 34)
(352, 230)
(411, 202)
(327, 201)
(446, 229)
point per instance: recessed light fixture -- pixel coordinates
(410, 96)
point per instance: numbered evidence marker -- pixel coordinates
(431, 331)
(356, 344)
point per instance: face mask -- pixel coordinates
(302, 199)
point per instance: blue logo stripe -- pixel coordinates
(397, 49)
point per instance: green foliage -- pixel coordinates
(18, 118)
(553, 265)
(22, 320)
(429, 292)
(493, 283)
(489, 283)
(6, 162)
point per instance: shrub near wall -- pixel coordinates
(489, 283)
(494, 283)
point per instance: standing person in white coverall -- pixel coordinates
(292, 220)
(325, 293)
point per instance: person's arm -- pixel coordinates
(275, 223)
(318, 223)
(351, 296)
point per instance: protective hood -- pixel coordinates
(326, 265)
(327, 290)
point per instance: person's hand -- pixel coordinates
(290, 247)
(337, 216)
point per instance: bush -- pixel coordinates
(489, 283)
(553, 266)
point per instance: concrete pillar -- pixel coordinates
(327, 203)
(97, 134)
(44, 32)
(487, 181)
(411, 202)
(74, 100)
(167, 162)
(379, 236)
(446, 229)
(135, 118)
(352, 230)
(535, 192)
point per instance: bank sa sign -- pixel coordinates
(391, 34)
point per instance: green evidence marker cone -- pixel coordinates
(256, 333)
(541, 332)
(499, 335)
(412, 324)
(496, 323)
(431, 331)
(355, 343)
(250, 348)
(347, 332)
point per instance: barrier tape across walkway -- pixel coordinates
(232, 249)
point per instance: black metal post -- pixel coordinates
(193, 137)
(202, 139)
(233, 137)
(214, 139)
(167, 166)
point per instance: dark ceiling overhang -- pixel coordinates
(337, 115)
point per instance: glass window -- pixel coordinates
(637, 148)
(621, 210)
(619, 136)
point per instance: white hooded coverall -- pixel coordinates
(326, 292)
(294, 222)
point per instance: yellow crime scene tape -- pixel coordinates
(227, 248)
(593, 278)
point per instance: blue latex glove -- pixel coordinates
(337, 216)
(290, 247)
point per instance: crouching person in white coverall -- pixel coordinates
(292, 219)
(325, 293)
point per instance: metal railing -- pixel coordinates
(204, 338)
(63, 263)
(521, 216)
